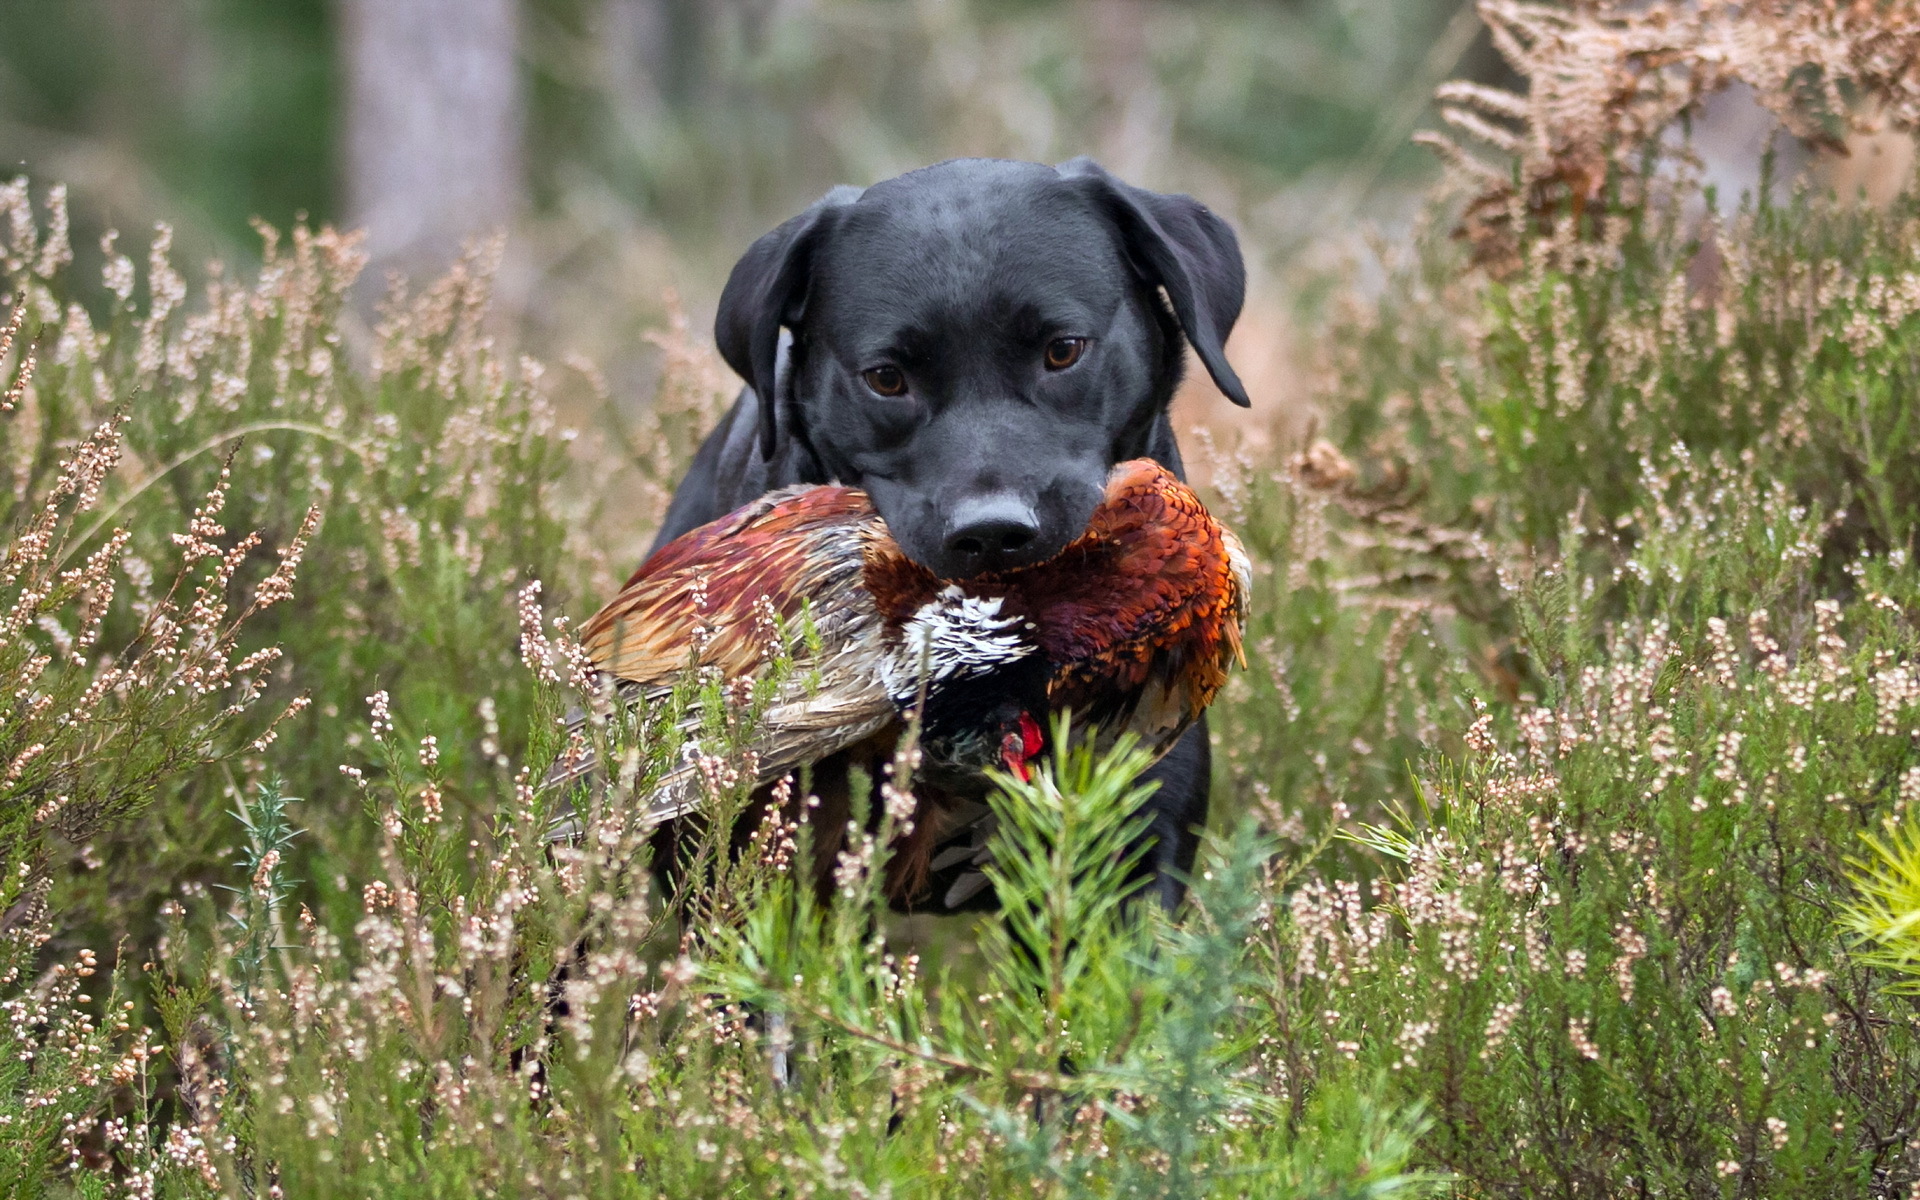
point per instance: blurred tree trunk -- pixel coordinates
(656, 48)
(433, 120)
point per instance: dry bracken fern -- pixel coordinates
(1607, 80)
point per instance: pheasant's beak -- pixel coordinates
(1020, 746)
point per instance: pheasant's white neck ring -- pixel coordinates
(952, 636)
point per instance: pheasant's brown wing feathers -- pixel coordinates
(703, 590)
(803, 724)
(702, 601)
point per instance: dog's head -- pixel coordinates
(976, 343)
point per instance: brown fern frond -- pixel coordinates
(1608, 79)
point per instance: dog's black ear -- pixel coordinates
(1176, 243)
(768, 289)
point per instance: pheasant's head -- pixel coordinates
(957, 750)
(1020, 745)
(983, 721)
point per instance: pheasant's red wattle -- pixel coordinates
(1031, 739)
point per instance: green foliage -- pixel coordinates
(1564, 820)
(255, 919)
(57, 1065)
(540, 1026)
(99, 718)
(1886, 918)
(423, 490)
(1778, 338)
(1650, 538)
(1096, 1053)
(1606, 948)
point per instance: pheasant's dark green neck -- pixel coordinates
(967, 720)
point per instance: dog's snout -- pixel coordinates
(988, 532)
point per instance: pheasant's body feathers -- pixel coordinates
(1133, 626)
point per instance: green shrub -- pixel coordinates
(423, 1054)
(434, 468)
(1886, 919)
(1636, 550)
(1607, 950)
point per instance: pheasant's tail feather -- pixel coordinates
(801, 726)
(675, 794)
(1234, 635)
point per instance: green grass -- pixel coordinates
(1565, 818)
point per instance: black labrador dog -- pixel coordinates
(975, 344)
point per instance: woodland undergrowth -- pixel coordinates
(1566, 837)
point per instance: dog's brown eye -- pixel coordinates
(1064, 352)
(888, 381)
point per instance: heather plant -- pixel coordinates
(1595, 606)
(415, 465)
(100, 723)
(1608, 952)
(507, 1014)
(1777, 332)
(65, 1052)
(792, 1049)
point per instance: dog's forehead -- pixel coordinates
(937, 243)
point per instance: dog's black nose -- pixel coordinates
(988, 532)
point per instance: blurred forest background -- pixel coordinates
(633, 148)
(636, 146)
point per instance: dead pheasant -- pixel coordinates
(1133, 627)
